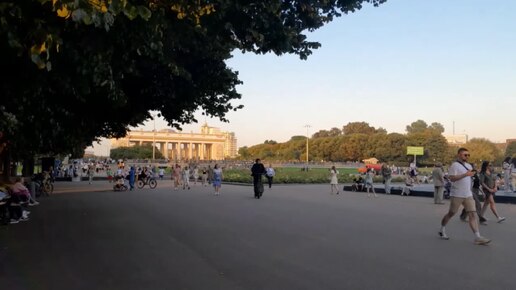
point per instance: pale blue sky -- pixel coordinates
(439, 61)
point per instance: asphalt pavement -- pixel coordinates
(295, 237)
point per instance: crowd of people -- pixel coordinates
(467, 187)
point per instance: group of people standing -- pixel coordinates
(209, 175)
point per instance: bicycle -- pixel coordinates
(43, 185)
(149, 180)
(47, 187)
(119, 184)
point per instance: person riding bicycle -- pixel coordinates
(143, 174)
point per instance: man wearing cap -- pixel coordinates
(438, 178)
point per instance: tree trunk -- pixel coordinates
(5, 163)
(28, 167)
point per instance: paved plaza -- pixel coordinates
(295, 237)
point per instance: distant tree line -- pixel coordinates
(135, 152)
(359, 140)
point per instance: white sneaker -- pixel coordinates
(500, 219)
(443, 236)
(482, 241)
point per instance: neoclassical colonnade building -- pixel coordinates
(210, 144)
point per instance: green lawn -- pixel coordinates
(293, 175)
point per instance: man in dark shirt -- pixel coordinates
(257, 171)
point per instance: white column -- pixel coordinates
(164, 149)
(190, 151)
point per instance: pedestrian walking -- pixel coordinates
(334, 181)
(387, 177)
(438, 178)
(210, 174)
(161, 173)
(90, 172)
(487, 182)
(257, 171)
(109, 174)
(460, 173)
(270, 173)
(204, 176)
(132, 177)
(176, 175)
(186, 177)
(369, 183)
(217, 178)
(409, 184)
(478, 195)
(195, 174)
(507, 167)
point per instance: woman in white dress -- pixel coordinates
(369, 183)
(334, 182)
(195, 175)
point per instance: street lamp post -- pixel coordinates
(307, 126)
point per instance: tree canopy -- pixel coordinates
(510, 151)
(421, 126)
(358, 128)
(78, 70)
(482, 149)
(359, 141)
(135, 152)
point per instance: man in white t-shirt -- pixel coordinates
(460, 173)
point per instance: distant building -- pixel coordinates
(210, 144)
(459, 139)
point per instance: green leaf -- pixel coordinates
(144, 12)
(131, 12)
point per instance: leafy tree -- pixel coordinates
(395, 150)
(511, 149)
(321, 134)
(418, 126)
(482, 149)
(297, 138)
(421, 126)
(243, 152)
(437, 127)
(435, 148)
(353, 147)
(135, 152)
(92, 68)
(358, 128)
(101, 66)
(334, 132)
(381, 131)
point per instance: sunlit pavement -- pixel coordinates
(295, 237)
